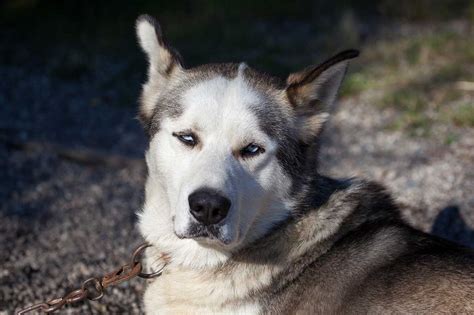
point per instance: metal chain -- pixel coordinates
(93, 288)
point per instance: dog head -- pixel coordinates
(228, 155)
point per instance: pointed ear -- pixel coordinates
(164, 62)
(312, 92)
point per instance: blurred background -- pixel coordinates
(71, 150)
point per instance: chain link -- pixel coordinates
(93, 288)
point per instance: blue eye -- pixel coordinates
(186, 138)
(251, 150)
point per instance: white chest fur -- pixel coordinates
(191, 292)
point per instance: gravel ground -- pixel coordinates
(434, 180)
(64, 220)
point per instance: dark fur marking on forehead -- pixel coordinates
(262, 79)
(168, 104)
(208, 71)
(258, 80)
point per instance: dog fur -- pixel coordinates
(293, 240)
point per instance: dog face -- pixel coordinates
(227, 151)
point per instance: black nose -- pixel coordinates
(208, 206)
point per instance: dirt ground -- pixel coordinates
(66, 215)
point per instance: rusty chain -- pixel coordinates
(93, 288)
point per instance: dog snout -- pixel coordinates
(208, 206)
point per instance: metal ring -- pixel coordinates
(136, 259)
(98, 287)
(75, 296)
(153, 274)
(138, 252)
(41, 306)
(54, 304)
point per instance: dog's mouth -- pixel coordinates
(206, 234)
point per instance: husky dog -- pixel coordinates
(235, 201)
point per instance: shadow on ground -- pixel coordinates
(449, 224)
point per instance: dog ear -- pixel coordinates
(312, 92)
(164, 63)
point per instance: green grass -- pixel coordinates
(411, 105)
(416, 124)
(408, 99)
(463, 115)
(356, 83)
(414, 75)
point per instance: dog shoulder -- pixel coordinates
(363, 200)
(429, 275)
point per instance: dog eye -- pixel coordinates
(186, 138)
(251, 150)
